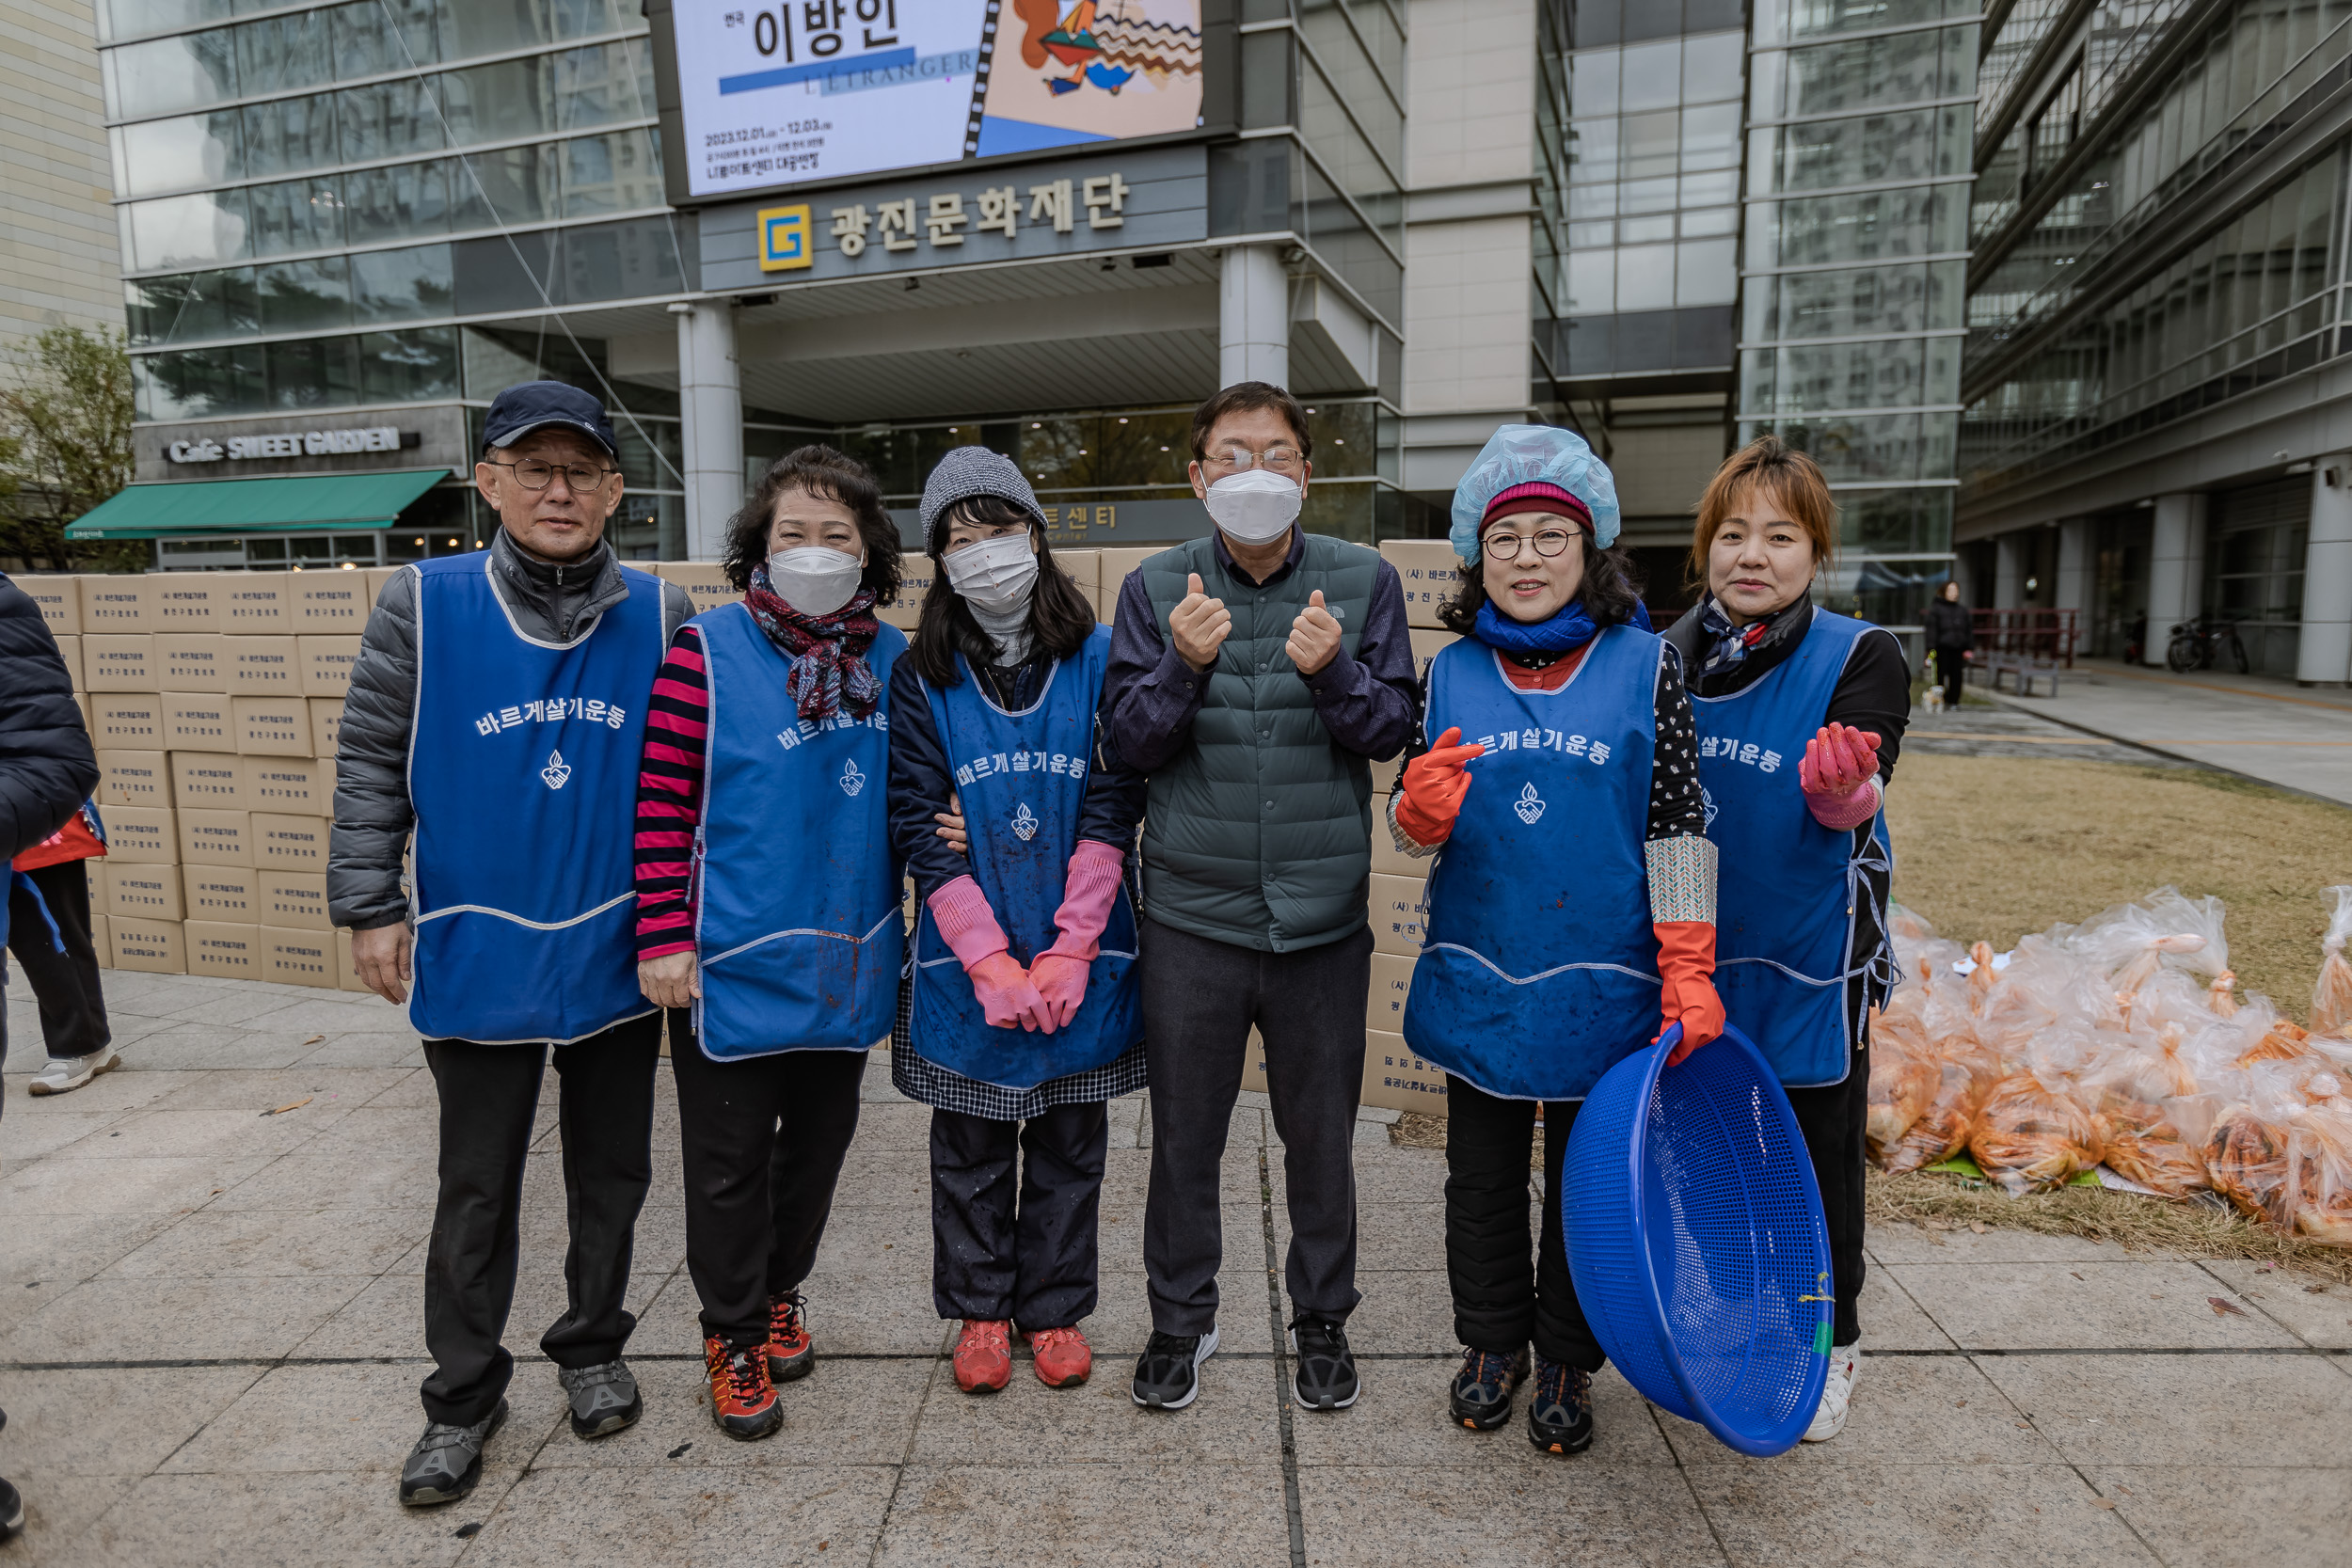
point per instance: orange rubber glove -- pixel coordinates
(1686, 965)
(1435, 783)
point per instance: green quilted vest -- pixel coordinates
(1258, 832)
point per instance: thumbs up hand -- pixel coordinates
(1199, 624)
(1314, 636)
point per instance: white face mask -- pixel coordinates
(1255, 506)
(995, 574)
(814, 580)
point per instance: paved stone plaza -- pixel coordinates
(211, 1335)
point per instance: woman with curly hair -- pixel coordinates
(768, 901)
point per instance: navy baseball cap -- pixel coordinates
(536, 404)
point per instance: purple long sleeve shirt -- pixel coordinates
(1369, 701)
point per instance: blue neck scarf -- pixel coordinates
(1568, 629)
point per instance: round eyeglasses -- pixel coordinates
(1504, 544)
(532, 473)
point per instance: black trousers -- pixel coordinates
(1950, 663)
(764, 1141)
(1202, 998)
(1033, 1260)
(66, 985)
(1502, 1300)
(1832, 1120)
(489, 1093)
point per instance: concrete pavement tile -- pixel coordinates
(157, 995)
(69, 1247)
(21, 1299)
(1913, 1515)
(253, 1243)
(368, 1049)
(660, 1240)
(249, 1004)
(1891, 1320)
(60, 1506)
(1401, 1421)
(2321, 1317)
(1915, 1243)
(1387, 1173)
(670, 1323)
(1086, 1516)
(303, 1181)
(409, 1087)
(120, 1092)
(2253, 1516)
(109, 1423)
(687, 1516)
(1907, 1410)
(109, 1318)
(878, 1177)
(1382, 1517)
(198, 1046)
(59, 1186)
(349, 1518)
(1234, 1421)
(368, 1131)
(162, 1134)
(2151, 1304)
(906, 1126)
(297, 1418)
(336, 1013)
(1393, 1234)
(852, 1411)
(872, 1296)
(385, 1317)
(261, 1089)
(2181, 1410)
(24, 1138)
(1408, 1311)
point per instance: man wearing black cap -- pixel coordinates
(497, 712)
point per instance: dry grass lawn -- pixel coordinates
(1991, 849)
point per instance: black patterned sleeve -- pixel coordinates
(1676, 807)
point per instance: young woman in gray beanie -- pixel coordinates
(1022, 1018)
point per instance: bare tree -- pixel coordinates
(65, 442)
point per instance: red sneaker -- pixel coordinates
(790, 1352)
(743, 1400)
(983, 1355)
(1063, 1356)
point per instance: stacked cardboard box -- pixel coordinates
(215, 701)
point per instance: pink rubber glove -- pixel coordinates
(1838, 774)
(1000, 984)
(1089, 894)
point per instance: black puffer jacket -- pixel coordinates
(47, 768)
(372, 811)
(1949, 626)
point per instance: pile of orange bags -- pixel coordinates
(2121, 1043)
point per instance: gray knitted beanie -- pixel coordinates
(969, 472)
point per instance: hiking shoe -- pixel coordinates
(1168, 1375)
(1560, 1411)
(64, 1074)
(1829, 1417)
(447, 1461)
(742, 1402)
(604, 1397)
(1481, 1389)
(11, 1511)
(1064, 1359)
(983, 1355)
(1326, 1379)
(791, 1353)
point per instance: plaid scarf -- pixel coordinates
(828, 652)
(1729, 646)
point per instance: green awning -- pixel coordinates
(233, 506)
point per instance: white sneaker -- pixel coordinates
(1836, 1393)
(64, 1074)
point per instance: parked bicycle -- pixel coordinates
(2201, 644)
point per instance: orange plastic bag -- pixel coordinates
(2137, 1089)
(2318, 1197)
(1903, 1080)
(2332, 996)
(2246, 1157)
(1941, 1129)
(2033, 1134)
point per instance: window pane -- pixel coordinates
(1592, 150)
(188, 231)
(614, 173)
(494, 102)
(313, 372)
(131, 18)
(1593, 82)
(1652, 75)
(1646, 277)
(386, 120)
(408, 367)
(579, 19)
(365, 47)
(515, 184)
(1710, 136)
(395, 202)
(491, 26)
(400, 285)
(304, 296)
(177, 154)
(194, 308)
(1707, 272)
(1710, 66)
(1649, 145)
(300, 215)
(168, 76)
(603, 85)
(283, 54)
(1710, 220)
(290, 136)
(194, 382)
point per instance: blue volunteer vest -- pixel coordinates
(1540, 969)
(1022, 779)
(523, 769)
(797, 923)
(1784, 885)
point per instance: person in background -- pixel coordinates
(1024, 1017)
(1255, 676)
(767, 902)
(1572, 862)
(1800, 715)
(1950, 632)
(495, 708)
(47, 769)
(50, 934)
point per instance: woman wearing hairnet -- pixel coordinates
(1800, 713)
(1570, 913)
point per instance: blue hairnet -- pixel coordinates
(1529, 454)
